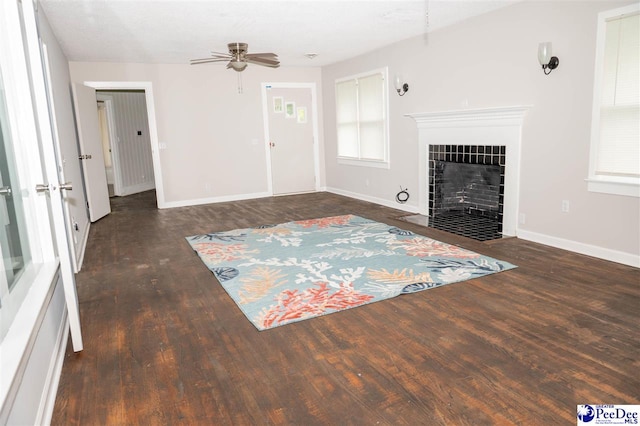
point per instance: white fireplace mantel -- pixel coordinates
(487, 126)
(471, 117)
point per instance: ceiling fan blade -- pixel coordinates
(264, 55)
(264, 62)
(238, 58)
(220, 54)
(206, 60)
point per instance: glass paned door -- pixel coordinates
(14, 246)
(14, 243)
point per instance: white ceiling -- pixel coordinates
(175, 31)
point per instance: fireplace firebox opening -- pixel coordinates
(466, 189)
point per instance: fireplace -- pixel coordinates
(466, 189)
(474, 143)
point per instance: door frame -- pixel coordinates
(147, 86)
(314, 123)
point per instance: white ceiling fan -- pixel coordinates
(239, 58)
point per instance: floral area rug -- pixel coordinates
(279, 274)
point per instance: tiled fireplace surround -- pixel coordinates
(491, 137)
(466, 189)
(467, 178)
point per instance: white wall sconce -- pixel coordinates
(548, 62)
(401, 86)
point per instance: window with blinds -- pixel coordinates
(361, 119)
(615, 144)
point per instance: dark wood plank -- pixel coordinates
(164, 344)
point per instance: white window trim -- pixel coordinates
(629, 186)
(364, 163)
(382, 164)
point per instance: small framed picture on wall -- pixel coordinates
(290, 109)
(301, 115)
(278, 104)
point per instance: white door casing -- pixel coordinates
(95, 177)
(147, 87)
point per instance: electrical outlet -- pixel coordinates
(565, 206)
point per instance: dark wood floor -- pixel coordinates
(164, 344)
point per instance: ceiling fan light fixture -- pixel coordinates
(238, 65)
(238, 58)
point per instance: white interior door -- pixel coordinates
(52, 184)
(291, 139)
(95, 177)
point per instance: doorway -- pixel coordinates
(291, 134)
(126, 143)
(133, 140)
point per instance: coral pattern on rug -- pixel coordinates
(299, 270)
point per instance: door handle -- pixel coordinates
(42, 187)
(85, 157)
(5, 191)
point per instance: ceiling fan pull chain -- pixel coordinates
(239, 82)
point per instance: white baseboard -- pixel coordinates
(577, 247)
(45, 411)
(381, 201)
(212, 200)
(561, 243)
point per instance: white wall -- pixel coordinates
(75, 199)
(213, 135)
(134, 151)
(491, 61)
